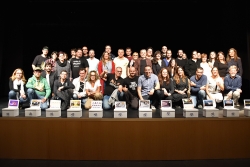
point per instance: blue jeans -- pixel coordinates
(198, 99)
(105, 102)
(83, 100)
(33, 95)
(13, 95)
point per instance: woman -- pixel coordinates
(132, 61)
(105, 65)
(166, 85)
(93, 88)
(206, 67)
(221, 65)
(158, 63)
(214, 87)
(181, 86)
(172, 66)
(63, 64)
(212, 58)
(17, 86)
(233, 59)
(52, 60)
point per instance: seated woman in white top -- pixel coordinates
(93, 88)
(205, 65)
(214, 87)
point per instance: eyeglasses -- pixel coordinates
(119, 71)
(19, 73)
(135, 55)
(92, 75)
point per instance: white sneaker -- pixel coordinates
(153, 107)
(199, 106)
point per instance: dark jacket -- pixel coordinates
(67, 85)
(52, 78)
(157, 68)
(138, 64)
(16, 90)
(191, 67)
(238, 64)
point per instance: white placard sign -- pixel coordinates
(96, 104)
(166, 104)
(75, 103)
(55, 103)
(120, 105)
(13, 103)
(144, 103)
(246, 103)
(35, 103)
(228, 104)
(187, 103)
(207, 104)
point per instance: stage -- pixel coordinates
(130, 138)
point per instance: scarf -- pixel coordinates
(63, 64)
(18, 82)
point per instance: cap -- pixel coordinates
(37, 69)
(45, 47)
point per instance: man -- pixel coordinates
(141, 63)
(79, 93)
(233, 83)
(73, 53)
(39, 60)
(122, 62)
(180, 61)
(168, 57)
(85, 52)
(198, 84)
(93, 62)
(164, 52)
(50, 76)
(192, 65)
(113, 89)
(149, 53)
(108, 49)
(63, 64)
(128, 53)
(148, 87)
(130, 88)
(38, 88)
(77, 63)
(62, 90)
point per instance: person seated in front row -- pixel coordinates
(17, 86)
(38, 88)
(93, 88)
(198, 84)
(149, 87)
(181, 87)
(166, 85)
(233, 83)
(214, 88)
(130, 89)
(79, 93)
(113, 88)
(63, 90)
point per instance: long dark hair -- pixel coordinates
(161, 79)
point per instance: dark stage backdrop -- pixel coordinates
(188, 25)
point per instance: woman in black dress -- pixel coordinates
(158, 63)
(181, 86)
(221, 65)
(172, 66)
(166, 85)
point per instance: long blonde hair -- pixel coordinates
(89, 76)
(103, 60)
(13, 77)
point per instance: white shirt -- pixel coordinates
(47, 78)
(92, 89)
(212, 88)
(123, 63)
(206, 69)
(93, 64)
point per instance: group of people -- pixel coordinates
(129, 77)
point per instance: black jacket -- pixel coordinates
(191, 67)
(52, 78)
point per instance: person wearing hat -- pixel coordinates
(38, 88)
(39, 60)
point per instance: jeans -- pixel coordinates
(33, 95)
(198, 99)
(83, 99)
(15, 95)
(105, 102)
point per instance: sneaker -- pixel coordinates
(153, 107)
(199, 106)
(237, 104)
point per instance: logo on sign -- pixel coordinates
(51, 114)
(191, 114)
(120, 114)
(168, 113)
(30, 113)
(145, 114)
(95, 114)
(73, 114)
(233, 113)
(8, 114)
(212, 114)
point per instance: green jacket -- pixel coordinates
(32, 83)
